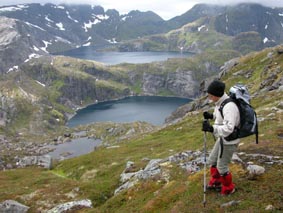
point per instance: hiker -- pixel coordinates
(222, 152)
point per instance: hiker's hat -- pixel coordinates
(216, 88)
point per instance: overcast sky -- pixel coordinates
(165, 8)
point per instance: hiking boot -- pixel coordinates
(214, 187)
(227, 186)
(214, 182)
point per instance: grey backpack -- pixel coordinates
(248, 119)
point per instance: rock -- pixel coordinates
(269, 208)
(255, 170)
(42, 161)
(11, 206)
(280, 105)
(228, 66)
(70, 206)
(180, 83)
(231, 203)
(236, 158)
(188, 160)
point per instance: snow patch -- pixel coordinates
(35, 48)
(87, 44)
(97, 19)
(69, 16)
(112, 41)
(227, 20)
(47, 19)
(40, 83)
(60, 26)
(62, 40)
(265, 40)
(33, 55)
(201, 27)
(35, 26)
(60, 7)
(12, 8)
(46, 43)
(126, 17)
(14, 68)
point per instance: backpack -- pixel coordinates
(248, 119)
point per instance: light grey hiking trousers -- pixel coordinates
(223, 162)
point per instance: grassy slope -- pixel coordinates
(96, 175)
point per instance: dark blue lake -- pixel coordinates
(111, 58)
(153, 110)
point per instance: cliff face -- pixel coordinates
(179, 83)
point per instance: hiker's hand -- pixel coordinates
(207, 115)
(206, 127)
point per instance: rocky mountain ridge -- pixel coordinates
(44, 29)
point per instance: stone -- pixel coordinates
(10, 206)
(67, 207)
(255, 169)
(42, 161)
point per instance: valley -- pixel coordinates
(139, 167)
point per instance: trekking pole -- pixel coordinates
(204, 173)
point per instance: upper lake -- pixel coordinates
(112, 58)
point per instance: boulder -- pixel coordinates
(70, 206)
(42, 161)
(10, 206)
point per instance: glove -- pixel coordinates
(207, 115)
(206, 127)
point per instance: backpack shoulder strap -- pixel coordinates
(223, 104)
(256, 132)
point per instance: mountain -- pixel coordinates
(252, 17)
(243, 28)
(79, 25)
(138, 167)
(196, 12)
(43, 29)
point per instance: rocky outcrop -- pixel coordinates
(179, 83)
(41, 161)
(192, 162)
(71, 206)
(189, 160)
(10, 206)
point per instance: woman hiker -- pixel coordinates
(222, 152)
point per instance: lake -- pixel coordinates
(76, 147)
(112, 58)
(151, 109)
